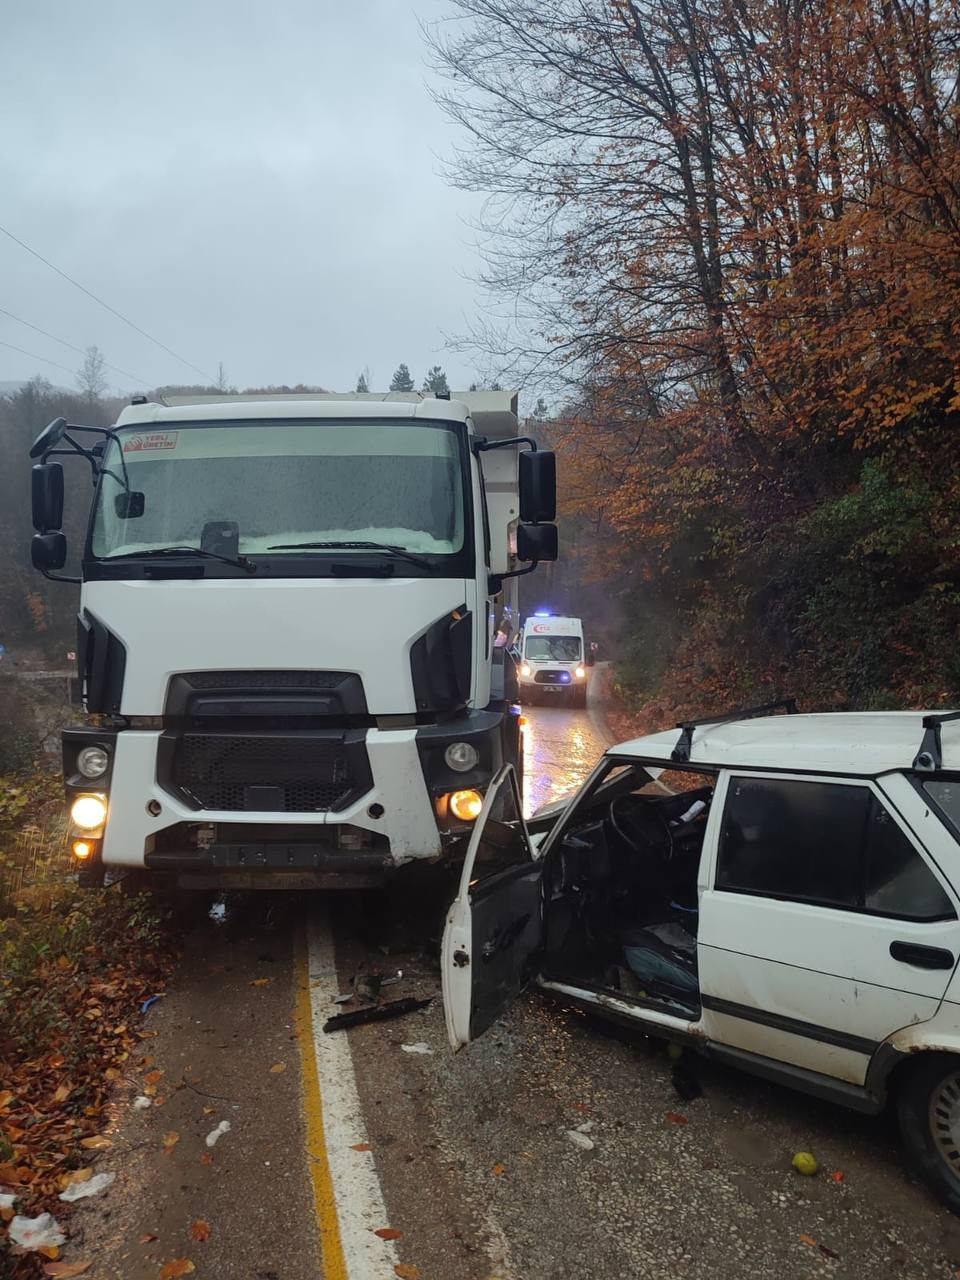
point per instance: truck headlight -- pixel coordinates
(524, 670)
(580, 673)
(93, 762)
(88, 812)
(466, 805)
(461, 756)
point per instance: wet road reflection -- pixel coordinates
(561, 746)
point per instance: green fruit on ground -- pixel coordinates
(805, 1163)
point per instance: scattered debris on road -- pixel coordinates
(79, 1190)
(375, 1013)
(214, 1136)
(805, 1163)
(34, 1234)
(580, 1140)
(420, 1047)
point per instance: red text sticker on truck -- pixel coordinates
(150, 441)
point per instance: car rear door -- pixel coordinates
(825, 927)
(495, 924)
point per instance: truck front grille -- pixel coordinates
(553, 677)
(293, 774)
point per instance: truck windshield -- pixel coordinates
(553, 648)
(250, 486)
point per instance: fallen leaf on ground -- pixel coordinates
(360, 1146)
(206, 1158)
(63, 1093)
(278, 1067)
(499, 1169)
(407, 1272)
(200, 1230)
(63, 1270)
(78, 1175)
(676, 1118)
(170, 1140)
(260, 982)
(389, 1233)
(209, 1111)
(805, 1239)
(49, 1251)
(176, 1268)
(97, 1143)
(147, 1238)
(827, 1253)
(153, 1077)
(837, 1175)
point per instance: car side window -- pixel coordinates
(797, 840)
(831, 844)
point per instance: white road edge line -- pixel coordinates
(360, 1204)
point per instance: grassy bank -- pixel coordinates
(75, 968)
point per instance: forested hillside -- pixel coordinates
(731, 232)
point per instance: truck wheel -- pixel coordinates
(578, 697)
(928, 1109)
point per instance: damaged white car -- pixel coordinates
(792, 909)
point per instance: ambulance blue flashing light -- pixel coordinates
(543, 613)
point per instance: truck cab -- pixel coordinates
(286, 630)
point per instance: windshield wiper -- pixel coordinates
(240, 561)
(402, 552)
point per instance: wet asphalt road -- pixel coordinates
(479, 1178)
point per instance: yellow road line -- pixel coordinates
(328, 1224)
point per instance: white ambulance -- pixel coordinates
(553, 664)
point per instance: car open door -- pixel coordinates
(495, 925)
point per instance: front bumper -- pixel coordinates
(387, 816)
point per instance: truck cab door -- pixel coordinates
(495, 924)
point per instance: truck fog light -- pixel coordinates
(580, 673)
(93, 762)
(88, 812)
(461, 756)
(466, 805)
(82, 849)
(525, 670)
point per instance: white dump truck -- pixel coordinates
(287, 634)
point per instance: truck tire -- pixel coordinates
(578, 697)
(928, 1109)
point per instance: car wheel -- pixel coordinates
(929, 1113)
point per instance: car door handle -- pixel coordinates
(922, 957)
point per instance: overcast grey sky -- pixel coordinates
(251, 182)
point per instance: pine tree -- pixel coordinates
(435, 383)
(363, 381)
(401, 380)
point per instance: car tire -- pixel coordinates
(928, 1110)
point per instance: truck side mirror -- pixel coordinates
(536, 541)
(538, 486)
(46, 491)
(48, 551)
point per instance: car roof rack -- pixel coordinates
(930, 756)
(681, 752)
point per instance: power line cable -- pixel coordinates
(106, 306)
(63, 342)
(33, 356)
